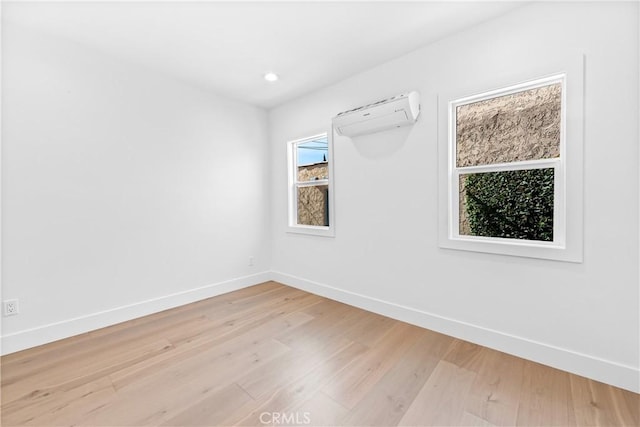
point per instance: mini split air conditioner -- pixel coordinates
(400, 110)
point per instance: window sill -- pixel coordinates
(509, 247)
(311, 230)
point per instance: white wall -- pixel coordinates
(385, 257)
(124, 192)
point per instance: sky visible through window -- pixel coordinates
(315, 151)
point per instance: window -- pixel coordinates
(507, 160)
(310, 202)
(506, 174)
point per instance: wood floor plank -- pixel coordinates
(58, 406)
(545, 397)
(91, 348)
(186, 384)
(441, 400)
(234, 316)
(495, 393)
(287, 368)
(629, 404)
(471, 420)
(350, 388)
(326, 308)
(294, 394)
(390, 398)
(213, 410)
(465, 355)
(369, 329)
(596, 404)
(204, 350)
(66, 377)
(230, 324)
(330, 321)
(320, 410)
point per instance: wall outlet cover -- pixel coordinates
(11, 307)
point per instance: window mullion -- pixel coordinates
(498, 167)
(315, 183)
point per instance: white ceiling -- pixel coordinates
(226, 47)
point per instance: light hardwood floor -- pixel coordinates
(271, 354)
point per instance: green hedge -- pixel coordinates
(511, 204)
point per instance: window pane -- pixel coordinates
(510, 204)
(521, 126)
(313, 172)
(312, 160)
(313, 205)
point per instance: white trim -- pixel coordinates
(510, 90)
(512, 166)
(315, 183)
(312, 230)
(607, 371)
(66, 328)
(292, 185)
(509, 242)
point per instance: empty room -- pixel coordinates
(310, 213)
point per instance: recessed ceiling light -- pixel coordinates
(271, 77)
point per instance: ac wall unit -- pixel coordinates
(400, 110)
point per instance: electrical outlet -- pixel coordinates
(250, 261)
(11, 307)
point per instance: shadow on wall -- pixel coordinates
(381, 144)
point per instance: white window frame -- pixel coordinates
(556, 163)
(294, 184)
(567, 244)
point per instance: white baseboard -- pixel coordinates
(606, 371)
(55, 331)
